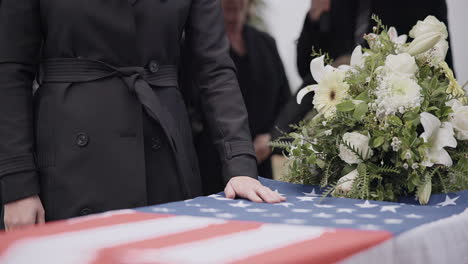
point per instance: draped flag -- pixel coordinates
(214, 229)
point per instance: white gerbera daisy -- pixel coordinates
(330, 90)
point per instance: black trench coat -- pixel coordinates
(108, 74)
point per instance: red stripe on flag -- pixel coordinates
(9, 238)
(117, 255)
(328, 248)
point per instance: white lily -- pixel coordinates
(399, 40)
(426, 35)
(345, 183)
(318, 70)
(357, 57)
(423, 43)
(438, 135)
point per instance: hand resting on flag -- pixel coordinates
(249, 188)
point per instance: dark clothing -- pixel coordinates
(109, 128)
(265, 90)
(293, 113)
(334, 32)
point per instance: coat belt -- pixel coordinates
(137, 79)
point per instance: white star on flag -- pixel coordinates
(240, 204)
(301, 211)
(285, 204)
(344, 221)
(194, 205)
(162, 210)
(323, 215)
(448, 201)
(226, 215)
(272, 215)
(312, 193)
(368, 216)
(393, 221)
(389, 208)
(306, 198)
(276, 191)
(324, 205)
(219, 197)
(256, 210)
(345, 210)
(366, 204)
(223, 199)
(295, 221)
(413, 216)
(370, 227)
(209, 210)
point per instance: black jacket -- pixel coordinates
(104, 67)
(265, 90)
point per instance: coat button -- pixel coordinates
(153, 66)
(86, 211)
(82, 140)
(155, 143)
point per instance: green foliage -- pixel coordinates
(394, 164)
(318, 53)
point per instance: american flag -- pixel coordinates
(215, 229)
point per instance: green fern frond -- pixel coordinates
(327, 173)
(356, 151)
(281, 144)
(383, 169)
(364, 181)
(444, 187)
(328, 191)
(327, 59)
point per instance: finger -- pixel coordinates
(276, 195)
(229, 191)
(267, 195)
(253, 196)
(40, 217)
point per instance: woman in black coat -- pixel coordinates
(108, 128)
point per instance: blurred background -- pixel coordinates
(284, 20)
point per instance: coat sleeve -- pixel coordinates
(221, 99)
(20, 41)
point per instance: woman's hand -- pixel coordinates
(249, 188)
(23, 213)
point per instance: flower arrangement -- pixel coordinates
(392, 123)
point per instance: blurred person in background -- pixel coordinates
(264, 87)
(337, 26)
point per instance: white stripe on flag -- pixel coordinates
(82, 246)
(228, 248)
